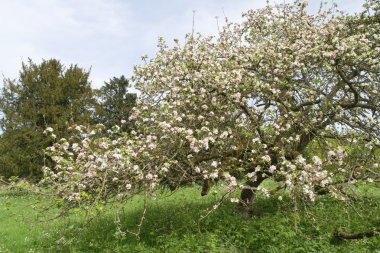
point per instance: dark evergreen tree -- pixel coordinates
(115, 102)
(45, 95)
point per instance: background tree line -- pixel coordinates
(52, 95)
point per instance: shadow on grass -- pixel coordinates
(173, 224)
(178, 220)
(14, 193)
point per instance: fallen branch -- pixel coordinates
(4, 182)
(360, 235)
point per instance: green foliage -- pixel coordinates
(115, 103)
(22, 152)
(46, 94)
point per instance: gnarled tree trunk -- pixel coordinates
(248, 194)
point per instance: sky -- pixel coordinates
(110, 36)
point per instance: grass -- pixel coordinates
(172, 225)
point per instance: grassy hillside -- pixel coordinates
(172, 225)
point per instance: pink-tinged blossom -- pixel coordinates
(272, 169)
(340, 153)
(223, 135)
(251, 174)
(264, 191)
(152, 146)
(214, 175)
(266, 158)
(368, 145)
(149, 176)
(301, 160)
(331, 154)
(317, 161)
(254, 140)
(85, 143)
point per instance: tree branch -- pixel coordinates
(359, 235)
(300, 106)
(350, 85)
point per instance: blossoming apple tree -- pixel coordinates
(285, 94)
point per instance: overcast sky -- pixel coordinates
(108, 36)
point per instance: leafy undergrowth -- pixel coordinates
(173, 224)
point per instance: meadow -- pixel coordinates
(172, 224)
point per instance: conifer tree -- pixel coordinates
(44, 95)
(115, 102)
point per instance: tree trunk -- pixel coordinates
(248, 195)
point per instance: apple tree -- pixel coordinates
(286, 95)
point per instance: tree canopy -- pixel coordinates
(115, 103)
(46, 94)
(285, 94)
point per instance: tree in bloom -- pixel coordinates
(285, 95)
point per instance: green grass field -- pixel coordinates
(172, 225)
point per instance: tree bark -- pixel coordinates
(248, 195)
(360, 235)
